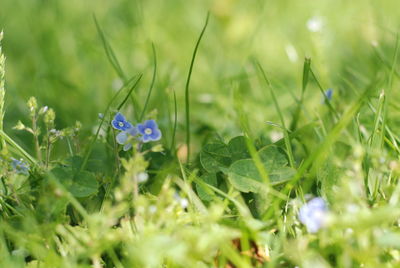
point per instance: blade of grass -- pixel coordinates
(2, 89)
(129, 93)
(109, 51)
(317, 156)
(175, 124)
(185, 186)
(187, 102)
(393, 137)
(278, 109)
(385, 61)
(390, 88)
(237, 259)
(22, 152)
(90, 146)
(378, 116)
(371, 141)
(306, 73)
(244, 125)
(328, 103)
(112, 58)
(153, 79)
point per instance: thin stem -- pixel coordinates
(47, 147)
(175, 124)
(17, 147)
(36, 138)
(93, 140)
(2, 90)
(153, 79)
(187, 103)
(278, 109)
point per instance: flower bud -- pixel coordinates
(49, 117)
(19, 126)
(32, 105)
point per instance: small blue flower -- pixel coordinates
(121, 123)
(329, 94)
(123, 136)
(127, 146)
(314, 214)
(20, 166)
(149, 131)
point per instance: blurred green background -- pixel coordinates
(54, 53)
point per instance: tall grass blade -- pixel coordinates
(278, 109)
(153, 79)
(306, 73)
(187, 99)
(173, 140)
(109, 51)
(18, 148)
(318, 155)
(2, 89)
(106, 111)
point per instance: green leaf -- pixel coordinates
(281, 175)
(328, 177)
(81, 184)
(204, 193)
(244, 175)
(215, 155)
(75, 162)
(272, 158)
(238, 148)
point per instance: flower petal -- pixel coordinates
(156, 135)
(133, 131)
(151, 124)
(329, 94)
(122, 137)
(313, 214)
(115, 124)
(146, 138)
(126, 126)
(127, 146)
(141, 128)
(119, 117)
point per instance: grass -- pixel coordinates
(248, 134)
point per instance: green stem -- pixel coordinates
(90, 147)
(17, 147)
(278, 109)
(187, 104)
(175, 124)
(153, 79)
(36, 138)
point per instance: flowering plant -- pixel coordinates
(142, 132)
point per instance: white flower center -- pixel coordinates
(148, 131)
(121, 124)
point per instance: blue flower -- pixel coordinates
(149, 131)
(20, 166)
(314, 214)
(121, 123)
(328, 94)
(123, 136)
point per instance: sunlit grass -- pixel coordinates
(263, 108)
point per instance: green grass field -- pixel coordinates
(218, 133)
